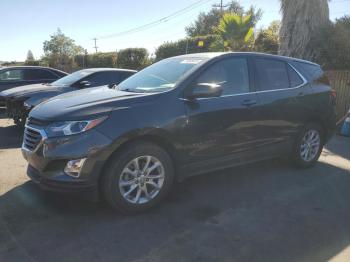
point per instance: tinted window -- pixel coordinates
(271, 74)
(124, 75)
(312, 71)
(58, 74)
(232, 74)
(294, 78)
(38, 74)
(102, 78)
(11, 75)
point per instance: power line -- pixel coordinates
(159, 21)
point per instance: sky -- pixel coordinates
(26, 24)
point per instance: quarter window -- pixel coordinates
(271, 74)
(232, 74)
(294, 79)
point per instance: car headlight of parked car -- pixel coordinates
(67, 128)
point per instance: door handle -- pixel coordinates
(249, 102)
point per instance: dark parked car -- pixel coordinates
(19, 101)
(25, 75)
(179, 117)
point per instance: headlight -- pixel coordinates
(67, 128)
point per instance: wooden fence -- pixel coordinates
(340, 82)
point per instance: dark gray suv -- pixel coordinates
(179, 117)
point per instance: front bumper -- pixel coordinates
(46, 162)
(59, 181)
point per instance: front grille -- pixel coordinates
(36, 122)
(31, 138)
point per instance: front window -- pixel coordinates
(231, 74)
(162, 76)
(72, 78)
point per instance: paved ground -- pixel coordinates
(264, 212)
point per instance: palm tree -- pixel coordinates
(301, 21)
(236, 32)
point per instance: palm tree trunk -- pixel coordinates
(301, 21)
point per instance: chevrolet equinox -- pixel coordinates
(179, 117)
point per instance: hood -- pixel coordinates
(28, 90)
(87, 103)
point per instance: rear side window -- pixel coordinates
(294, 78)
(232, 74)
(38, 74)
(11, 75)
(124, 75)
(271, 74)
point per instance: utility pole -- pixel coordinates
(221, 6)
(186, 45)
(95, 39)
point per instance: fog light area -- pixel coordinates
(73, 167)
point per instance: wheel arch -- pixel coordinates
(319, 121)
(158, 138)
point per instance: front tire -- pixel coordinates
(308, 146)
(138, 177)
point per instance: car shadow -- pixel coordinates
(10, 135)
(267, 211)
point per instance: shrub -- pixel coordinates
(170, 49)
(133, 58)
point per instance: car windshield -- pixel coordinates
(161, 76)
(72, 78)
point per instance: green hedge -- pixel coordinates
(133, 58)
(97, 60)
(170, 49)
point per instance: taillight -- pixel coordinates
(333, 96)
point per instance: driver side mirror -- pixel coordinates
(83, 84)
(205, 90)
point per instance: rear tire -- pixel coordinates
(308, 146)
(138, 177)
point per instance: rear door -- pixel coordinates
(223, 128)
(284, 95)
(39, 75)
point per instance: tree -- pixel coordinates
(30, 56)
(267, 39)
(60, 51)
(333, 43)
(207, 22)
(108, 59)
(30, 59)
(236, 32)
(133, 58)
(301, 21)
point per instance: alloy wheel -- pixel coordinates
(141, 179)
(310, 145)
